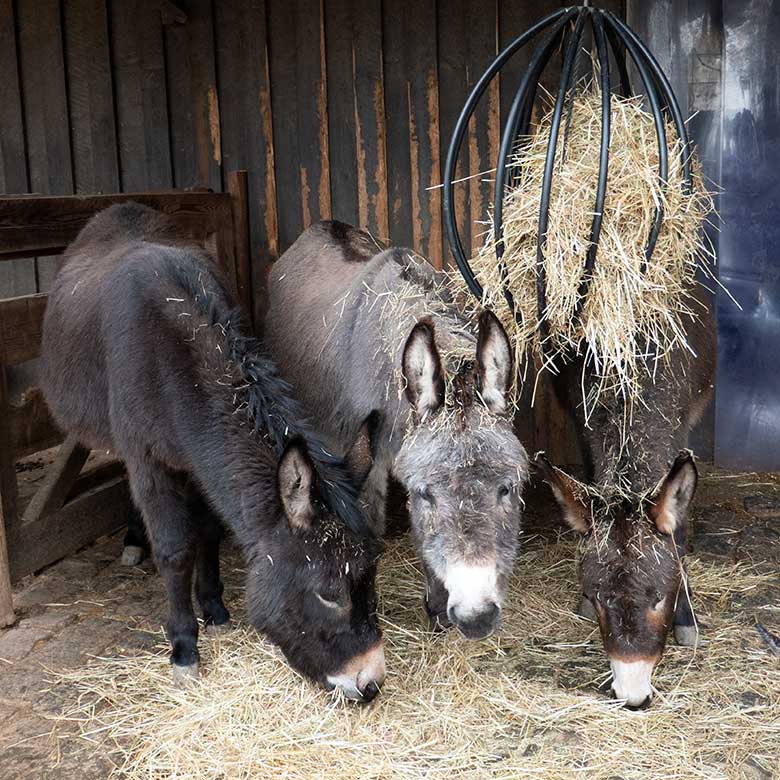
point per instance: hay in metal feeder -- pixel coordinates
(597, 168)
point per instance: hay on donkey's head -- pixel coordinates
(624, 310)
(523, 704)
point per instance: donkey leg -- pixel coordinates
(686, 632)
(435, 601)
(136, 545)
(586, 610)
(162, 501)
(208, 585)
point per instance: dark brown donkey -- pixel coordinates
(633, 513)
(144, 354)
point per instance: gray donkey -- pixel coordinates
(353, 329)
(633, 513)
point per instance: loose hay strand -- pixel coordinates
(522, 704)
(626, 316)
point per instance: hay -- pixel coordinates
(625, 313)
(522, 704)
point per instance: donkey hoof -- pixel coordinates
(218, 629)
(687, 636)
(132, 555)
(586, 610)
(183, 675)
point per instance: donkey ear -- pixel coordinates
(360, 457)
(422, 369)
(294, 478)
(575, 512)
(494, 362)
(674, 494)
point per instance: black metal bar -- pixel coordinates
(598, 210)
(540, 58)
(668, 93)
(660, 129)
(457, 140)
(620, 58)
(564, 86)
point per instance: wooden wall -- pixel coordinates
(338, 108)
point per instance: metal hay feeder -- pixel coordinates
(565, 28)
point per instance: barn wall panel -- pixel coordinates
(17, 277)
(336, 108)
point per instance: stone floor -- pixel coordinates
(90, 605)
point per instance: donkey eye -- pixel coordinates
(504, 491)
(426, 495)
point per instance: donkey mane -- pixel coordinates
(273, 412)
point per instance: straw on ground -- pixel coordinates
(526, 703)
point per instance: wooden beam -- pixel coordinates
(237, 186)
(9, 509)
(58, 481)
(21, 323)
(50, 223)
(96, 512)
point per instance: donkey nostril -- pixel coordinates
(370, 691)
(643, 706)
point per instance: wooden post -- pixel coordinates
(238, 189)
(9, 508)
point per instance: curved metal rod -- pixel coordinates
(660, 129)
(602, 53)
(667, 91)
(457, 140)
(564, 86)
(540, 59)
(620, 59)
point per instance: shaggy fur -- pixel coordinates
(634, 511)
(382, 333)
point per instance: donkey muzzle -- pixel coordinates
(631, 681)
(473, 604)
(362, 676)
(476, 625)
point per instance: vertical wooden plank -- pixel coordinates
(246, 127)
(17, 277)
(300, 114)
(412, 115)
(356, 113)
(91, 99)
(9, 509)
(194, 103)
(340, 57)
(141, 99)
(45, 108)
(468, 40)
(453, 30)
(237, 187)
(514, 19)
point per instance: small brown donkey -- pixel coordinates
(354, 329)
(145, 354)
(633, 514)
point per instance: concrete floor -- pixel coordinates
(89, 604)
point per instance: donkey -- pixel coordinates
(144, 353)
(352, 329)
(633, 513)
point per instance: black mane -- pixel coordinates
(270, 404)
